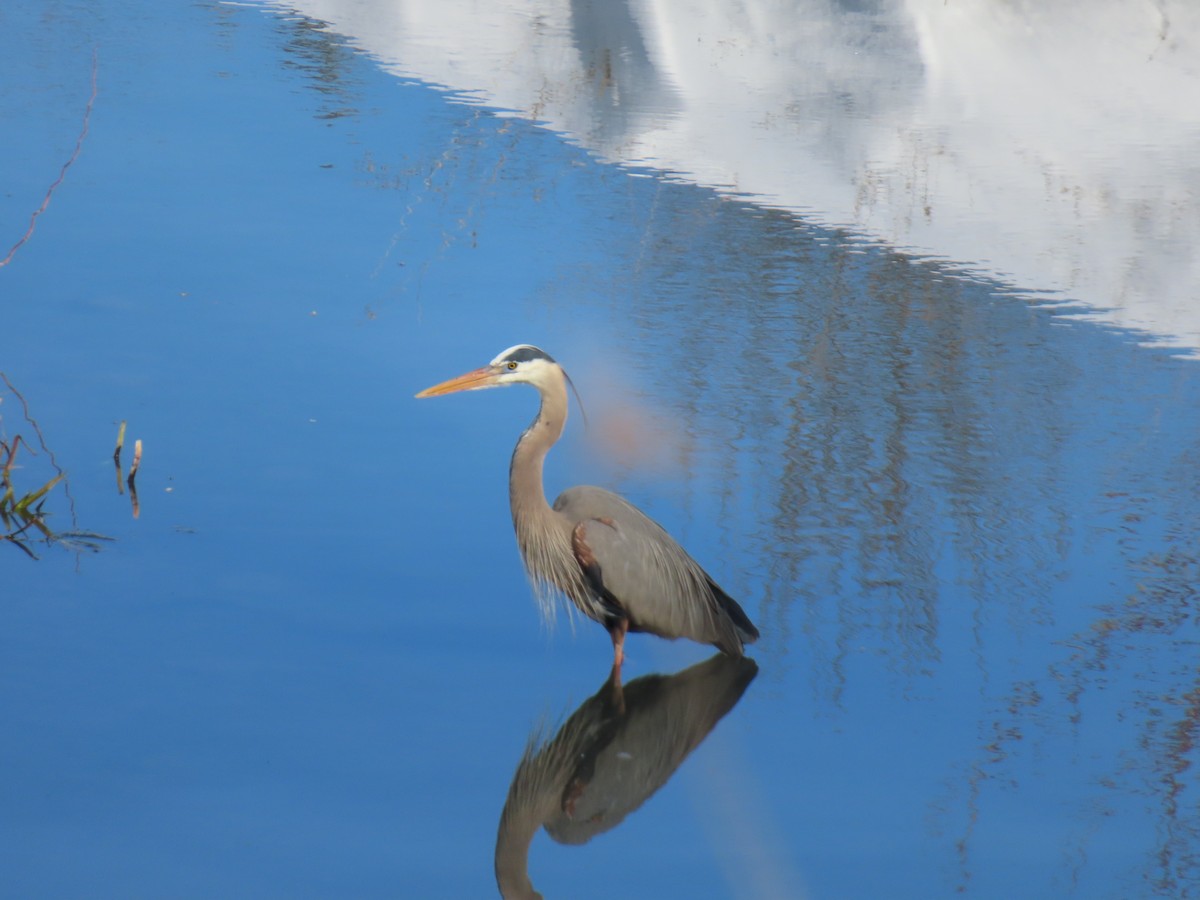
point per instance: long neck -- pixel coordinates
(533, 799)
(526, 493)
(517, 830)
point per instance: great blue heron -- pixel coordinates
(609, 558)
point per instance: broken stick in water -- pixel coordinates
(133, 470)
(120, 443)
(137, 460)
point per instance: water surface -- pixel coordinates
(310, 666)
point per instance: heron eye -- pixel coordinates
(511, 366)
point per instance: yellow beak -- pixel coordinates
(469, 381)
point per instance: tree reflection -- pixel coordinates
(918, 466)
(613, 753)
(1148, 641)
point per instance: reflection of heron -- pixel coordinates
(616, 564)
(615, 751)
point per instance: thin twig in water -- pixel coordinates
(12, 452)
(87, 118)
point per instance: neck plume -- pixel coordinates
(543, 535)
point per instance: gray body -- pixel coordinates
(641, 572)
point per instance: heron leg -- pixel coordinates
(617, 693)
(617, 632)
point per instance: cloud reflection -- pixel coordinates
(610, 756)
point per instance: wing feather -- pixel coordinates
(631, 562)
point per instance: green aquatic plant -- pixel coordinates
(23, 517)
(20, 515)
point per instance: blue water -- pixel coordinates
(311, 665)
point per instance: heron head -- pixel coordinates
(522, 364)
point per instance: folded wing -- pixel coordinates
(638, 569)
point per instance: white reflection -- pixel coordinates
(1055, 144)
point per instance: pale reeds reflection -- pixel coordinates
(880, 418)
(915, 467)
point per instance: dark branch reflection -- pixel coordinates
(615, 751)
